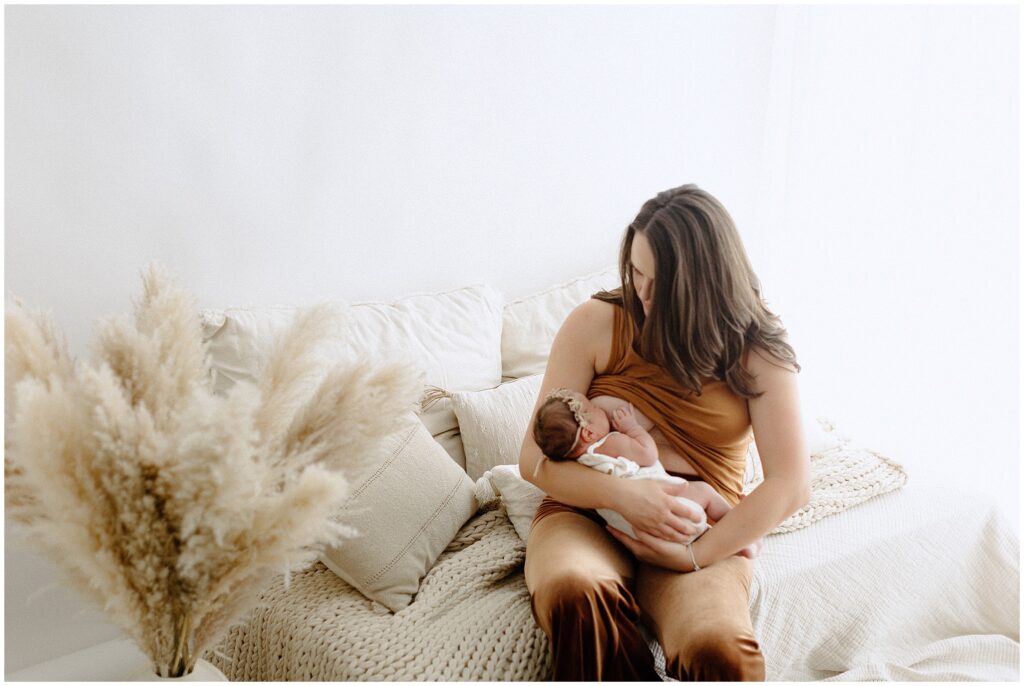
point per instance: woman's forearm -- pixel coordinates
(572, 484)
(756, 515)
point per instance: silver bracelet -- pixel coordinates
(696, 567)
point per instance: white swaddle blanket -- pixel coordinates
(628, 469)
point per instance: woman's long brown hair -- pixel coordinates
(706, 308)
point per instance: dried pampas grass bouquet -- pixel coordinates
(168, 504)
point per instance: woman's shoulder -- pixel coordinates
(592, 316)
(759, 360)
(589, 331)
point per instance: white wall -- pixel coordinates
(292, 154)
(891, 242)
(270, 154)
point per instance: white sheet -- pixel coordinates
(918, 584)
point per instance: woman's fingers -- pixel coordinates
(678, 531)
(671, 534)
(639, 549)
(647, 540)
(622, 538)
(677, 537)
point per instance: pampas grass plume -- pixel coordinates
(170, 505)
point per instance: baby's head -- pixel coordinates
(567, 423)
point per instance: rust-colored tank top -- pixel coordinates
(710, 430)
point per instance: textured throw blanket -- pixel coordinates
(841, 478)
(471, 621)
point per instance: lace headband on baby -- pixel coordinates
(576, 407)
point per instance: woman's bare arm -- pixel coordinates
(775, 417)
(648, 505)
(571, 364)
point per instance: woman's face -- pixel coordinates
(641, 258)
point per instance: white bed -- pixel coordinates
(918, 584)
(876, 592)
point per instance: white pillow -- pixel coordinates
(521, 498)
(493, 422)
(454, 337)
(406, 509)
(529, 324)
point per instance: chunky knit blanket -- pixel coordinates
(842, 476)
(471, 621)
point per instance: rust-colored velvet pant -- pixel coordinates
(588, 592)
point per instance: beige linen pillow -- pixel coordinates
(493, 422)
(406, 509)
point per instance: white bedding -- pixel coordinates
(918, 584)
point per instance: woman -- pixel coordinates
(688, 341)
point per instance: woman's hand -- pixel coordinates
(655, 550)
(652, 508)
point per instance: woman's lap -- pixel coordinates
(570, 541)
(580, 582)
(702, 620)
(574, 567)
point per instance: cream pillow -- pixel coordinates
(520, 497)
(493, 422)
(529, 324)
(406, 509)
(453, 337)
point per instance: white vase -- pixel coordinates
(203, 671)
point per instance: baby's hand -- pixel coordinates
(623, 418)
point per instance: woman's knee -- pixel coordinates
(575, 593)
(718, 656)
(572, 586)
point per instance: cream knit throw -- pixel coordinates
(470, 621)
(841, 477)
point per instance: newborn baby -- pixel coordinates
(569, 426)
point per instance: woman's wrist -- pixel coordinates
(691, 549)
(679, 559)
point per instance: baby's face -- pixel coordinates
(599, 422)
